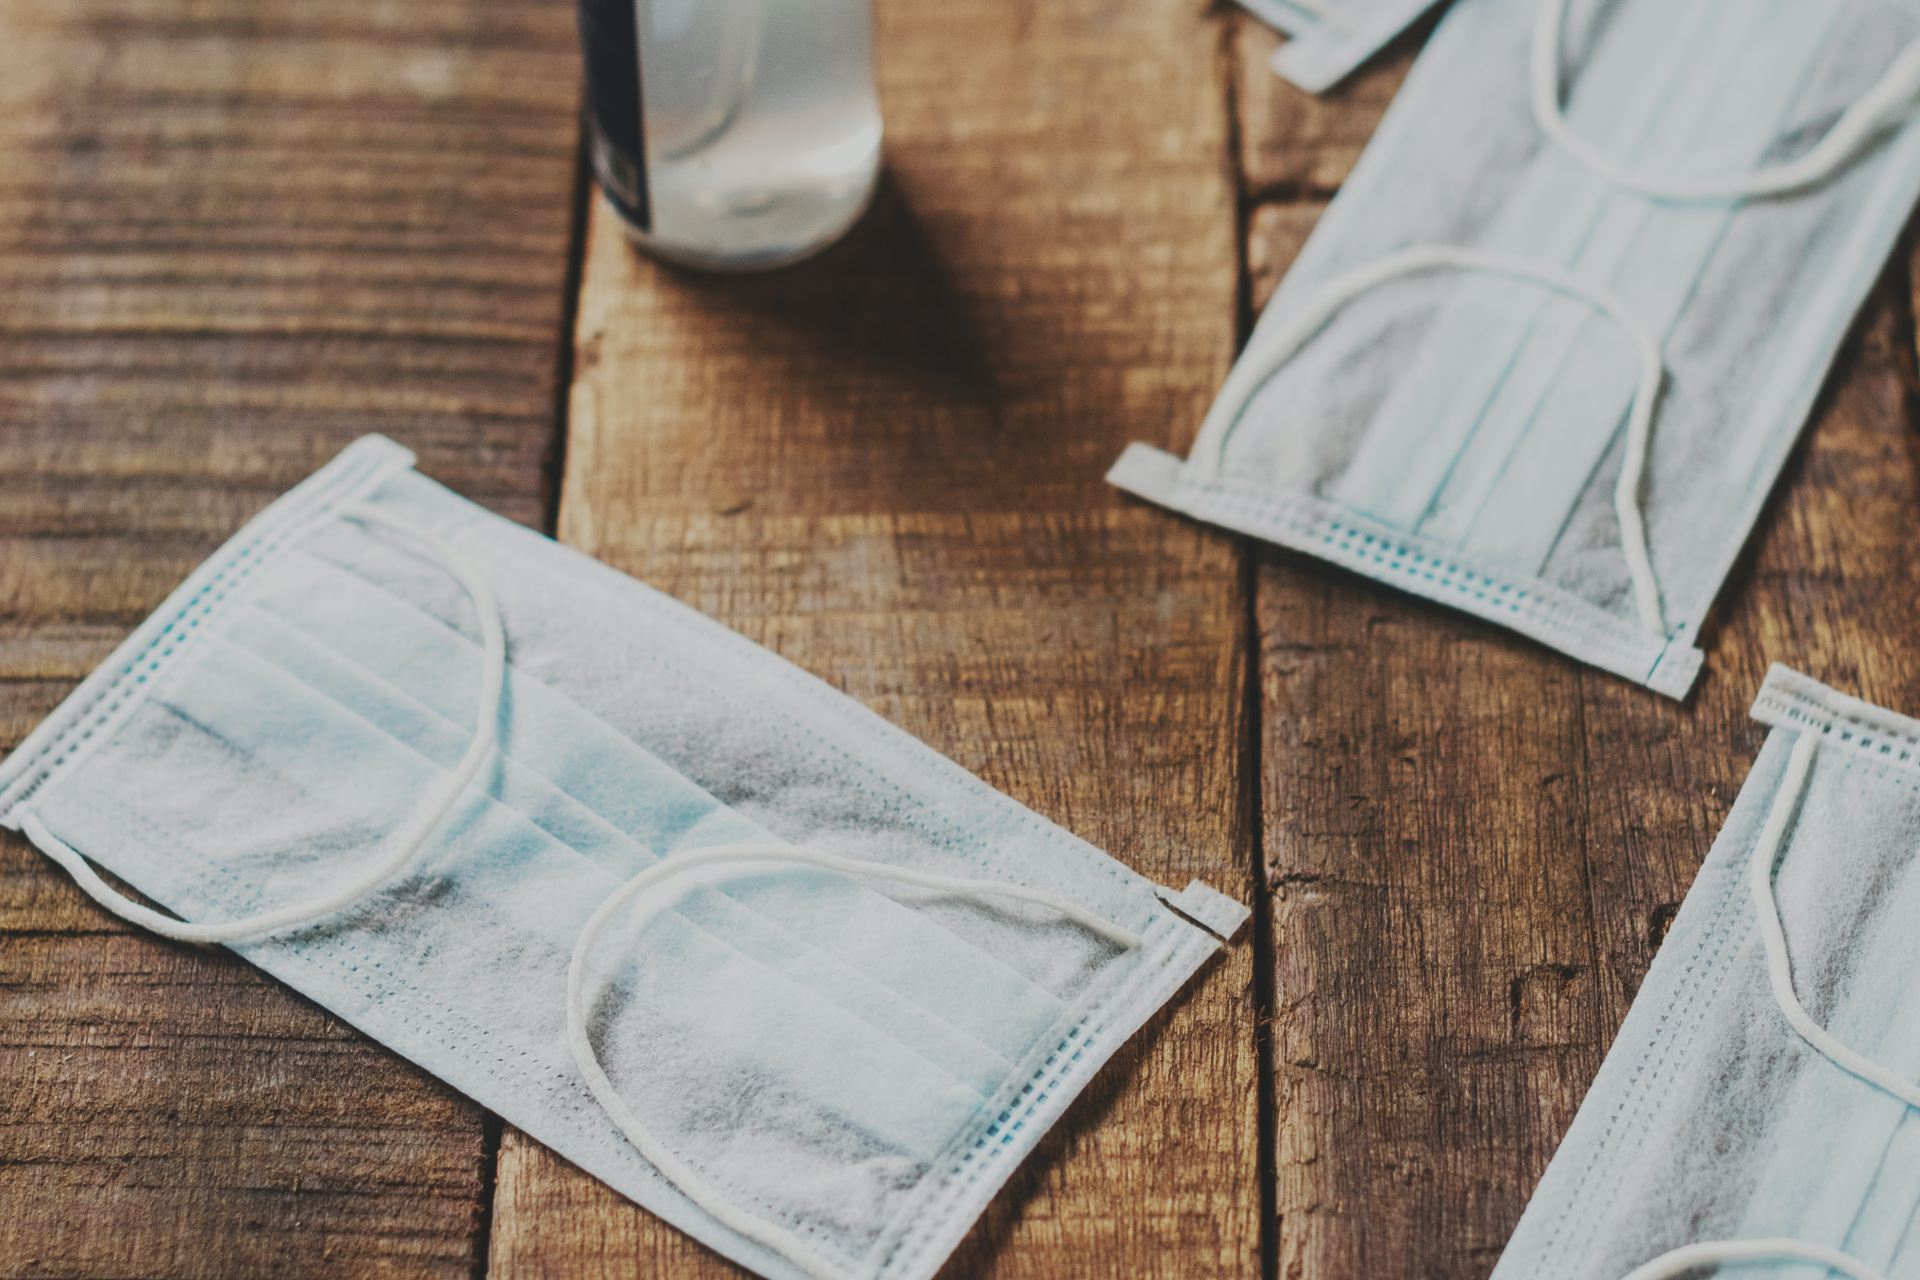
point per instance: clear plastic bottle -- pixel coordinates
(733, 134)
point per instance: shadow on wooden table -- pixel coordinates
(879, 304)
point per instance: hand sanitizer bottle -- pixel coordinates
(732, 135)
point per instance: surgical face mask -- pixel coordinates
(1545, 354)
(1762, 1100)
(704, 926)
(1329, 39)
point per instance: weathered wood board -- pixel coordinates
(233, 237)
(886, 466)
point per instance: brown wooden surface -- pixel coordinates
(886, 466)
(1473, 846)
(235, 235)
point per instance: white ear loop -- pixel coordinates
(1773, 939)
(1890, 95)
(407, 842)
(1249, 375)
(691, 1183)
(1775, 1249)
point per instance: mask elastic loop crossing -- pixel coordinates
(407, 842)
(1248, 376)
(1873, 111)
(691, 1183)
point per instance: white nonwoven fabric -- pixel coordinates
(1464, 434)
(852, 1065)
(1713, 1118)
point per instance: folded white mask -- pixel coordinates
(1546, 352)
(1329, 39)
(1762, 1100)
(703, 925)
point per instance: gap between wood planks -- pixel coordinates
(1230, 21)
(555, 470)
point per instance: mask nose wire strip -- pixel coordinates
(1760, 870)
(1873, 111)
(1708, 1253)
(691, 1183)
(406, 843)
(1248, 378)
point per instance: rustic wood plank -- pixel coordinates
(887, 466)
(170, 1112)
(234, 236)
(1474, 846)
(1433, 952)
(1296, 145)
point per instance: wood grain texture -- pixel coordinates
(1296, 145)
(233, 237)
(1474, 846)
(886, 465)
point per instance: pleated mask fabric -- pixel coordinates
(1544, 356)
(1762, 1100)
(1329, 39)
(704, 926)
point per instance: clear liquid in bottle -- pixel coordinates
(733, 134)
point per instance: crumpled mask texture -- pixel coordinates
(854, 1063)
(1712, 1118)
(1462, 435)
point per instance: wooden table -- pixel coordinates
(235, 234)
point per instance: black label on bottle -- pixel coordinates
(610, 43)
